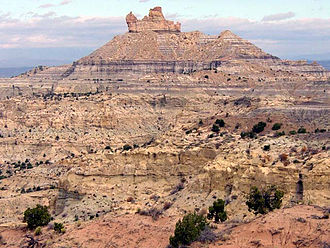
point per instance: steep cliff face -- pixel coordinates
(194, 46)
(152, 52)
(152, 46)
(154, 22)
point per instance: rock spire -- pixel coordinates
(155, 21)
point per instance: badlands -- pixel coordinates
(133, 128)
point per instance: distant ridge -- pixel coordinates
(155, 45)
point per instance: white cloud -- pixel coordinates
(50, 30)
(40, 39)
(279, 17)
(50, 5)
(47, 5)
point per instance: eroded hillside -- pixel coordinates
(162, 123)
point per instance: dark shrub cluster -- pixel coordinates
(248, 135)
(320, 130)
(258, 128)
(216, 126)
(302, 130)
(59, 227)
(188, 230)
(127, 147)
(217, 211)
(279, 134)
(266, 147)
(220, 122)
(264, 201)
(194, 227)
(277, 126)
(38, 216)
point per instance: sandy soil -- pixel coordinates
(299, 226)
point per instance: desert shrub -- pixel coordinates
(279, 134)
(264, 201)
(38, 216)
(302, 130)
(127, 147)
(215, 128)
(188, 230)
(38, 231)
(167, 205)
(292, 132)
(277, 126)
(153, 212)
(266, 147)
(59, 227)
(188, 132)
(130, 199)
(22, 166)
(217, 211)
(248, 135)
(154, 197)
(107, 148)
(258, 128)
(207, 236)
(177, 188)
(220, 122)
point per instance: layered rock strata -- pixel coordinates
(154, 22)
(156, 45)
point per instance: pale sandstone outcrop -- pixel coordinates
(154, 22)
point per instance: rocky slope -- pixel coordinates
(130, 127)
(300, 226)
(79, 166)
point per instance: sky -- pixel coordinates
(52, 32)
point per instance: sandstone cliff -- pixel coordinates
(154, 22)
